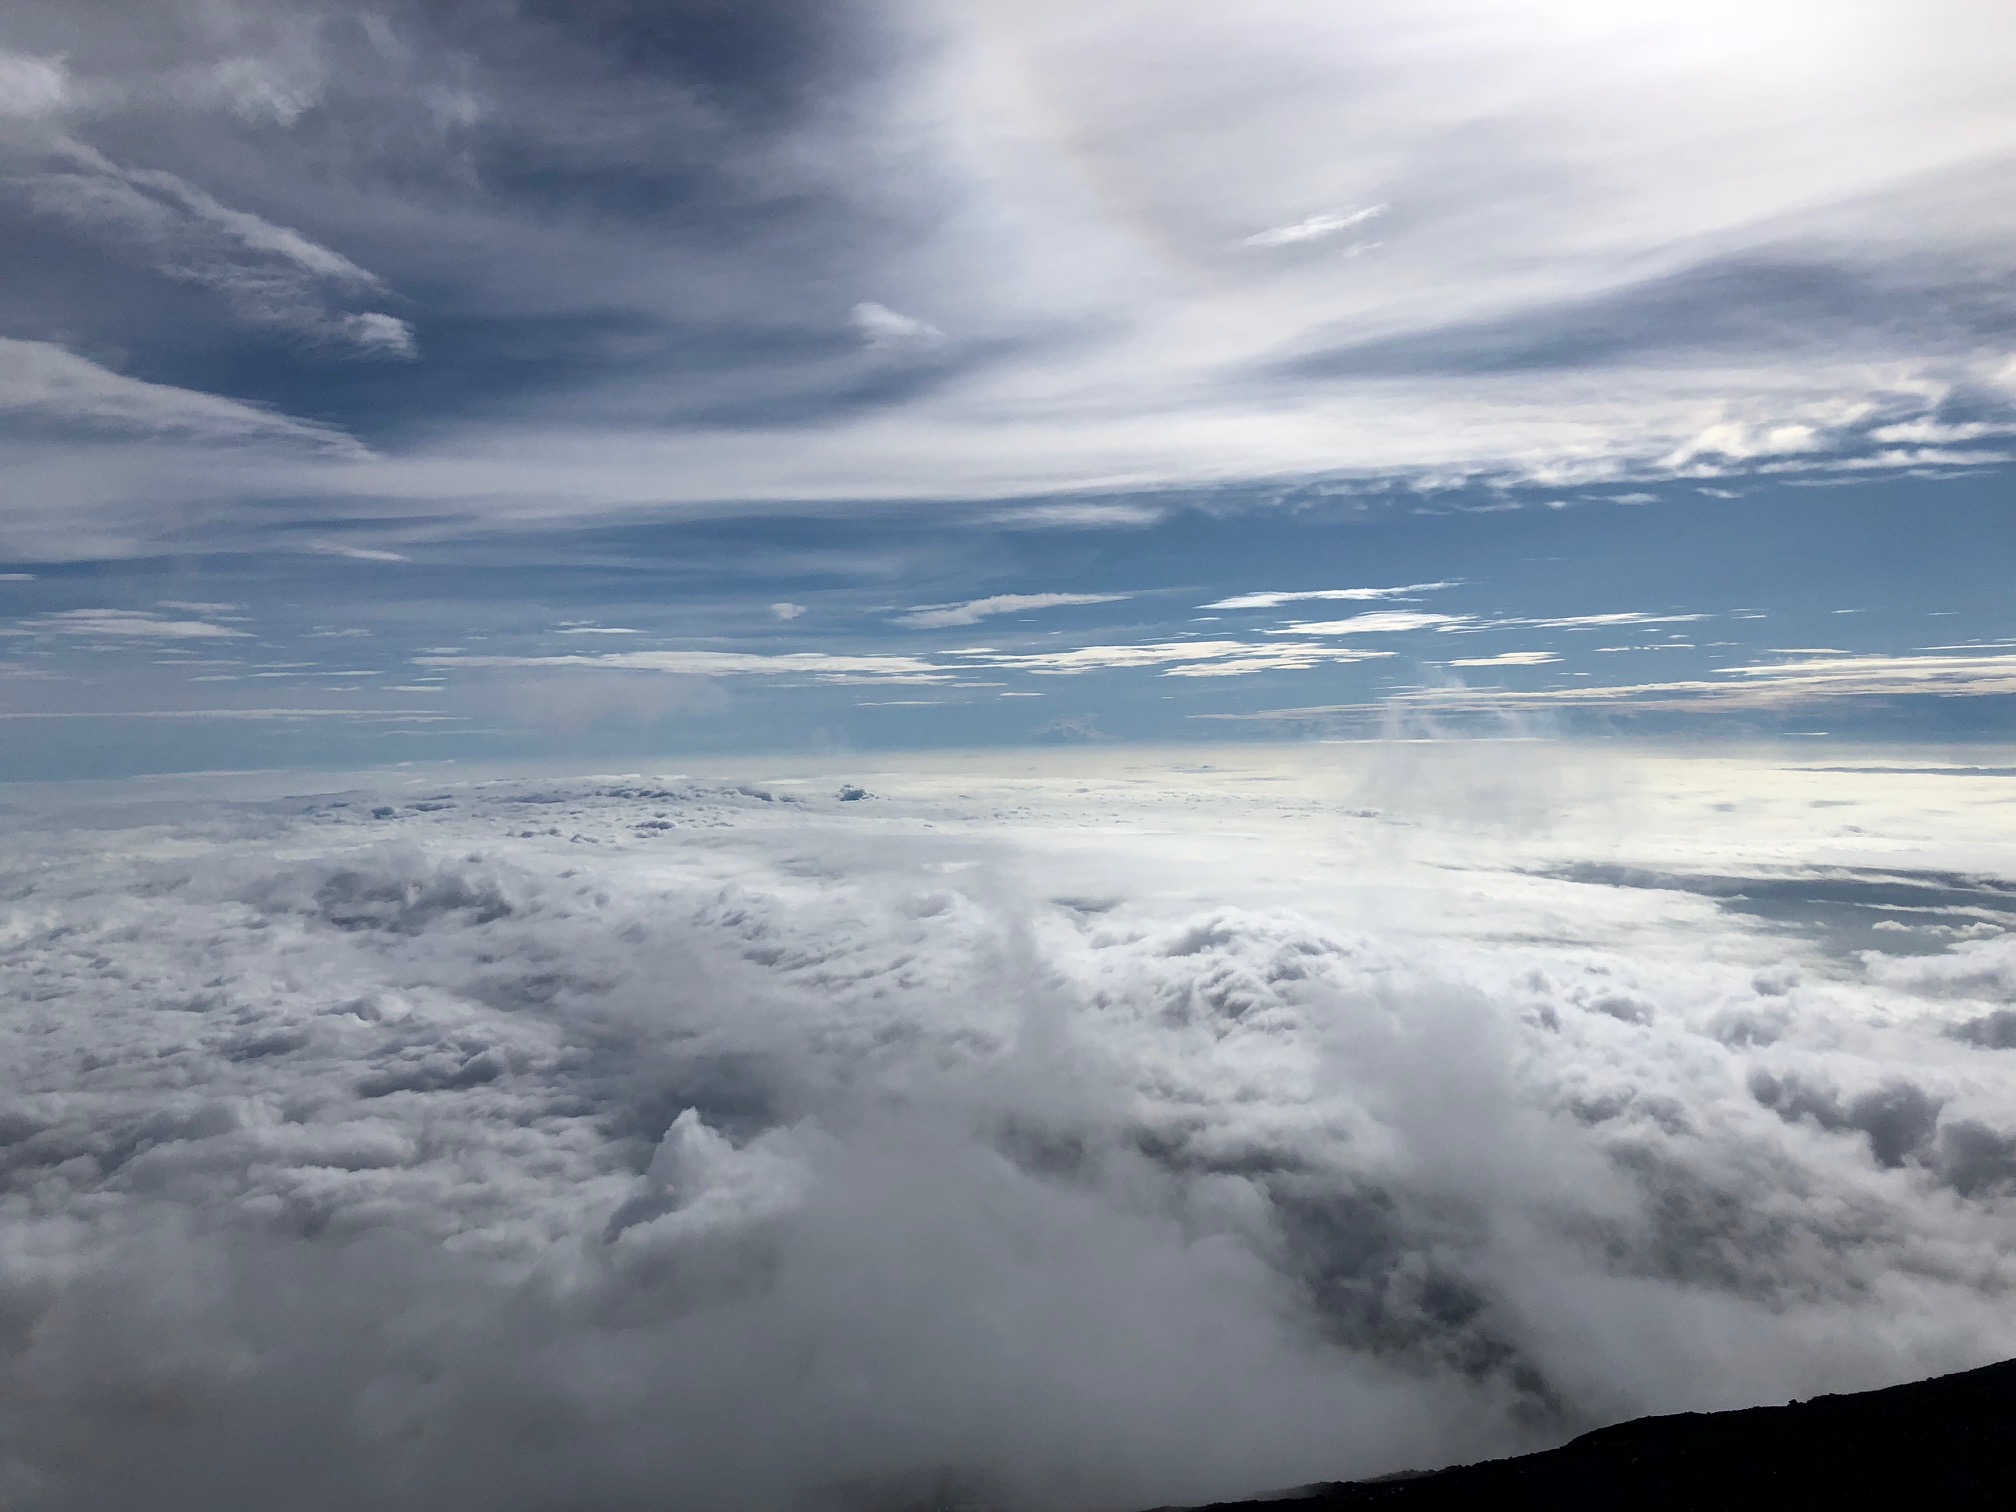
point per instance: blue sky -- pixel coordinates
(508, 379)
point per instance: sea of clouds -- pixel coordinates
(1086, 1130)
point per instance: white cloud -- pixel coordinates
(784, 610)
(269, 273)
(255, 89)
(130, 624)
(1187, 658)
(1435, 1097)
(1592, 621)
(1379, 622)
(380, 335)
(939, 616)
(1595, 195)
(1321, 226)
(30, 87)
(1275, 600)
(1768, 687)
(819, 665)
(887, 329)
(1507, 659)
(357, 553)
(1183, 658)
(42, 379)
(1078, 514)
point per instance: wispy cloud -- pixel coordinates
(357, 553)
(939, 616)
(41, 379)
(1379, 622)
(1593, 621)
(1322, 226)
(269, 274)
(1507, 659)
(1275, 600)
(1199, 658)
(1764, 688)
(818, 665)
(130, 624)
(1183, 658)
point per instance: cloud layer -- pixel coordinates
(1132, 1133)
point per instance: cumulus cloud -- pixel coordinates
(938, 616)
(1024, 1137)
(786, 610)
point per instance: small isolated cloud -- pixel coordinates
(257, 90)
(1507, 659)
(1275, 600)
(1318, 227)
(357, 553)
(377, 335)
(31, 87)
(785, 610)
(940, 616)
(885, 329)
(17, 577)
(1381, 622)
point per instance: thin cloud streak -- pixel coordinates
(941, 616)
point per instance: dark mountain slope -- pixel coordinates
(1948, 1442)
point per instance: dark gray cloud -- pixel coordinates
(549, 196)
(566, 262)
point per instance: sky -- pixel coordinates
(856, 755)
(497, 380)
